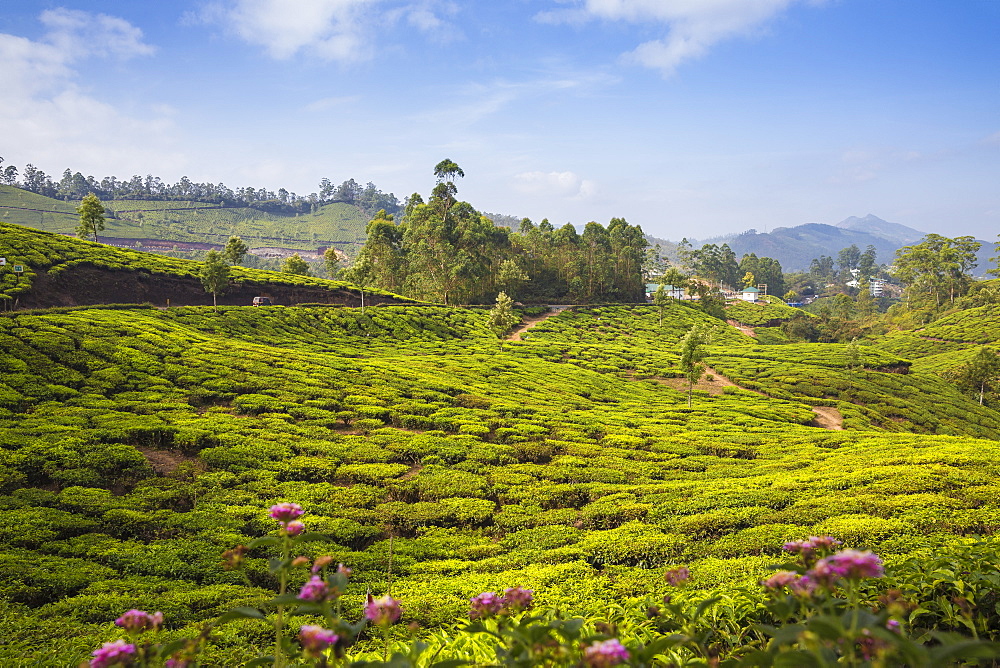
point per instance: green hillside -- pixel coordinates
(139, 444)
(338, 224)
(54, 255)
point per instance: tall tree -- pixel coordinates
(382, 260)
(296, 265)
(510, 277)
(937, 267)
(447, 171)
(214, 275)
(91, 216)
(235, 250)
(331, 260)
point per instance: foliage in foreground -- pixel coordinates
(823, 608)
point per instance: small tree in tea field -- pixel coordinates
(692, 354)
(214, 275)
(91, 217)
(502, 317)
(980, 376)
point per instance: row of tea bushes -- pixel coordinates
(54, 253)
(760, 314)
(142, 444)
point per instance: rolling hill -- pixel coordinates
(138, 444)
(156, 224)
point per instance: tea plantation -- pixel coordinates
(337, 223)
(137, 445)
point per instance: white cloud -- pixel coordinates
(78, 34)
(554, 184)
(47, 116)
(336, 30)
(693, 26)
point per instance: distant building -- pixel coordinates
(675, 292)
(749, 294)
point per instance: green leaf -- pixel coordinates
(755, 659)
(796, 659)
(264, 540)
(260, 661)
(242, 612)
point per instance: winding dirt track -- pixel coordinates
(826, 417)
(528, 323)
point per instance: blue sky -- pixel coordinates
(689, 117)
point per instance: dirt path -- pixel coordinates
(164, 461)
(535, 320)
(711, 381)
(828, 418)
(746, 329)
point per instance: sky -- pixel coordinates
(691, 118)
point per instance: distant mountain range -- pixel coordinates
(795, 247)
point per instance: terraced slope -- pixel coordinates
(61, 270)
(137, 445)
(337, 224)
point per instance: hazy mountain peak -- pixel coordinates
(871, 224)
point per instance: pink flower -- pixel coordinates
(135, 621)
(676, 576)
(315, 640)
(849, 564)
(781, 579)
(117, 653)
(808, 548)
(516, 599)
(605, 653)
(315, 590)
(286, 511)
(892, 625)
(293, 528)
(485, 605)
(383, 611)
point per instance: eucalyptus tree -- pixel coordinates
(937, 267)
(382, 259)
(447, 170)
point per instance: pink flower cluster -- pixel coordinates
(848, 565)
(314, 591)
(288, 515)
(135, 621)
(315, 640)
(605, 653)
(489, 604)
(117, 653)
(809, 547)
(843, 565)
(383, 611)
